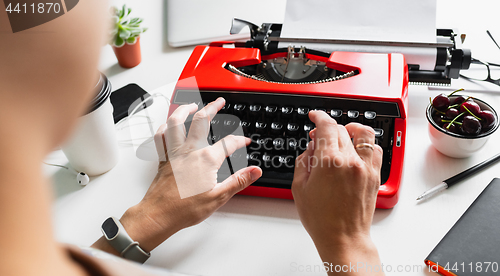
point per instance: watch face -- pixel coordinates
(110, 228)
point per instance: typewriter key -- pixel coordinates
(286, 111)
(277, 128)
(353, 114)
(370, 115)
(271, 110)
(335, 113)
(292, 129)
(302, 111)
(260, 127)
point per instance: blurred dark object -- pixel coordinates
(127, 98)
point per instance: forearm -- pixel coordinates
(350, 256)
(141, 228)
(103, 245)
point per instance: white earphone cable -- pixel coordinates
(56, 165)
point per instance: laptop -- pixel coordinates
(192, 22)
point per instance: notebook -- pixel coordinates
(200, 21)
(472, 246)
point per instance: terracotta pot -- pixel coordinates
(128, 55)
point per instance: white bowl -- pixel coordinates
(457, 145)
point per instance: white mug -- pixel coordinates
(93, 148)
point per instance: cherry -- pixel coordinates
(460, 100)
(488, 119)
(451, 113)
(453, 128)
(438, 118)
(461, 115)
(472, 106)
(441, 102)
(471, 125)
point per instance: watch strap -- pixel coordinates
(134, 252)
(123, 243)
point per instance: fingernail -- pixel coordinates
(221, 100)
(310, 145)
(255, 174)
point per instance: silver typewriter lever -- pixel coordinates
(238, 24)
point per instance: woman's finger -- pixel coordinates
(345, 143)
(326, 133)
(160, 143)
(227, 146)
(302, 167)
(200, 126)
(176, 131)
(236, 182)
(363, 138)
(377, 158)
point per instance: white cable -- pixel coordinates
(55, 165)
(81, 177)
(122, 121)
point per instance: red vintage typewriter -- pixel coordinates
(271, 93)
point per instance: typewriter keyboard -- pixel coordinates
(279, 126)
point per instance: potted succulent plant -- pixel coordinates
(125, 37)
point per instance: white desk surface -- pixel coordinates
(264, 236)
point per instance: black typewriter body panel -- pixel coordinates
(279, 126)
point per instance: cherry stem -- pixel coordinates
(430, 100)
(452, 106)
(453, 121)
(461, 89)
(449, 121)
(472, 113)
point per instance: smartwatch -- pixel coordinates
(118, 238)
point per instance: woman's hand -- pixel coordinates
(185, 191)
(335, 187)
